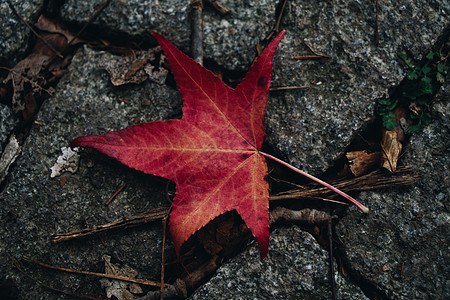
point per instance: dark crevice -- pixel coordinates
(369, 139)
(230, 77)
(368, 288)
(52, 8)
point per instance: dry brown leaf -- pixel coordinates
(362, 162)
(50, 26)
(136, 68)
(391, 147)
(29, 78)
(25, 76)
(120, 289)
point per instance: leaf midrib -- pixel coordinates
(210, 99)
(252, 150)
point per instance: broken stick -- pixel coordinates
(197, 31)
(126, 222)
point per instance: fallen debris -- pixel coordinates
(374, 180)
(391, 147)
(135, 68)
(111, 276)
(126, 222)
(120, 289)
(11, 152)
(67, 162)
(361, 162)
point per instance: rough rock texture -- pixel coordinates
(7, 124)
(408, 230)
(312, 127)
(443, 94)
(14, 39)
(135, 17)
(229, 40)
(34, 206)
(296, 268)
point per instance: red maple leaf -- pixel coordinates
(212, 153)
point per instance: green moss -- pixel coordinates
(416, 92)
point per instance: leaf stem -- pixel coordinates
(349, 198)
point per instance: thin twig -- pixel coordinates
(276, 28)
(220, 7)
(280, 16)
(126, 222)
(168, 194)
(11, 6)
(110, 276)
(317, 54)
(377, 36)
(164, 223)
(327, 200)
(197, 31)
(283, 88)
(374, 180)
(19, 267)
(330, 253)
(91, 20)
(116, 193)
(315, 51)
(308, 56)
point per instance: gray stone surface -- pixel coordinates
(14, 37)
(407, 230)
(35, 206)
(296, 268)
(443, 95)
(312, 127)
(135, 17)
(229, 40)
(7, 124)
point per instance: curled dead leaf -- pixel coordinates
(25, 76)
(135, 68)
(391, 148)
(30, 77)
(119, 289)
(362, 162)
(51, 26)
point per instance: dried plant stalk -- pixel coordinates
(374, 180)
(126, 222)
(104, 275)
